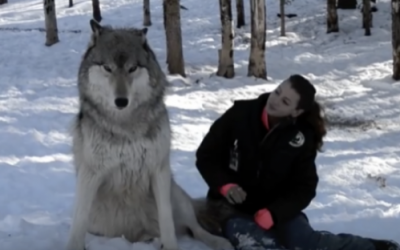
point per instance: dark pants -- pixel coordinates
(297, 234)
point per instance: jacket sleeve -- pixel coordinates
(304, 184)
(213, 153)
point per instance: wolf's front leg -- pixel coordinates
(161, 185)
(87, 186)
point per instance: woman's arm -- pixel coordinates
(212, 156)
(304, 184)
(301, 185)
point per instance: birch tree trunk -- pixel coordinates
(366, 17)
(96, 10)
(282, 10)
(396, 39)
(50, 22)
(71, 3)
(146, 13)
(332, 17)
(240, 14)
(225, 54)
(173, 34)
(257, 66)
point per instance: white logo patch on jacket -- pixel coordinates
(234, 159)
(298, 140)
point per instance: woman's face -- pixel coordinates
(283, 101)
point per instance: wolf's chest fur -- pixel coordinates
(126, 161)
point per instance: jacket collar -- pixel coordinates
(261, 102)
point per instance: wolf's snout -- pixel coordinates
(121, 102)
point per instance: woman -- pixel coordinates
(259, 156)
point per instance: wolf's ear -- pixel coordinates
(143, 33)
(96, 27)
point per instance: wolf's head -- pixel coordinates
(119, 71)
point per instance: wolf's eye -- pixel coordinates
(132, 69)
(107, 68)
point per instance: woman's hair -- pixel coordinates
(312, 109)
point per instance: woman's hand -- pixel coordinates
(233, 193)
(264, 219)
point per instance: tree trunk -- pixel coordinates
(3, 1)
(332, 17)
(146, 13)
(96, 10)
(347, 4)
(165, 28)
(225, 54)
(396, 39)
(71, 3)
(50, 20)
(240, 14)
(173, 34)
(257, 66)
(282, 8)
(366, 17)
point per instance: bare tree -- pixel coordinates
(50, 20)
(96, 10)
(366, 17)
(225, 54)
(347, 4)
(240, 14)
(71, 3)
(282, 10)
(173, 34)
(332, 17)
(146, 13)
(3, 2)
(257, 66)
(396, 38)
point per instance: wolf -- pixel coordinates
(121, 143)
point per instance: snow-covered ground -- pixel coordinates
(38, 99)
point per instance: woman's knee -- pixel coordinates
(237, 225)
(244, 233)
(298, 233)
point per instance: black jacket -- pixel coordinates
(276, 168)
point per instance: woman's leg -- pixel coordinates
(245, 234)
(299, 234)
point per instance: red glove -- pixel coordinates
(264, 219)
(224, 189)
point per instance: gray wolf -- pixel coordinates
(121, 142)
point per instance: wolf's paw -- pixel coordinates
(156, 242)
(169, 246)
(72, 246)
(219, 243)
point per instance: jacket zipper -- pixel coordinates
(261, 143)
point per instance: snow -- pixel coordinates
(359, 190)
